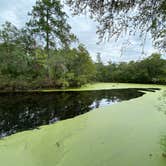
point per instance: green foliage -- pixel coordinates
(149, 70)
(25, 64)
(71, 65)
(49, 23)
(66, 67)
(10, 36)
(8, 33)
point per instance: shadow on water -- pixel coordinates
(24, 111)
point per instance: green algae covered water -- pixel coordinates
(129, 133)
(24, 111)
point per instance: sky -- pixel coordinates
(125, 49)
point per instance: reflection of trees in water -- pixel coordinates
(20, 112)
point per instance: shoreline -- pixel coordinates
(88, 87)
(127, 133)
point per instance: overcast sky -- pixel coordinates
(84, 28)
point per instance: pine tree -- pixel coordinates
(49, 22)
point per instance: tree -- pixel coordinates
(26, 40)
(11, 36)
(116, 17)
(98, 57)
(149, 70)
(83, 65)
(100, 68)
(49, 23)
(8, 36)
(15, 52)
(81, 69)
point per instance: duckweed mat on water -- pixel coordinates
(124, 134)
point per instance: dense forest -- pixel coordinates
(41, 55)
(149, 70)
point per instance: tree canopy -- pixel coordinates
(49, 22)
(148, 70)
(40, 55)
(117, 17)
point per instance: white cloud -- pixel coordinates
(16, 11)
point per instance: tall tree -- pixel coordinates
(11, 36)
(120, 16)
(8, 35)
(26, 40)
(49, 22)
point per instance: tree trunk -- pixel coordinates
(47, 35)
(47, 46)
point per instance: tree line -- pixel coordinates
(149, 70)
(40, 54)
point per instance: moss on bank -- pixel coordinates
(125, 134)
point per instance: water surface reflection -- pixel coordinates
(24, 111)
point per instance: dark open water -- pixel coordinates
(24, 111)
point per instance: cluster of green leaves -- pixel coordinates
(71, 67)
(48, 22)
(65, 67)
(149, 70)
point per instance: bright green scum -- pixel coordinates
(125, 134)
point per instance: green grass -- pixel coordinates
(124, 134)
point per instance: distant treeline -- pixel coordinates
(150, 70)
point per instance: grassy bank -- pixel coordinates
(125, 134)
